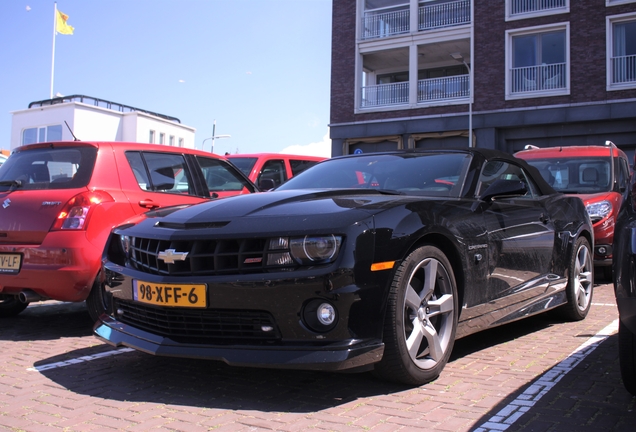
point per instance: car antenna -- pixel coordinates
(71, 131)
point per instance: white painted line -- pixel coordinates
(522, 404)
(79, 360)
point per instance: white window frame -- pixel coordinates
(171, 141)
(610, 21)
(527, 15)
(162, 138)
(609, 3)
(535, 30)
(151, 136)
(181, 142)
(41, 133)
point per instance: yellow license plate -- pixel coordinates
(179, 295)
(10, 263)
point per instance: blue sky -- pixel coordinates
(260, 68)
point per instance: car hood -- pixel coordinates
(287, 211)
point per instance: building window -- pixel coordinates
(162, 138)
(151, 137)
(621, 55)
(538, 60)
(171, 141)
(42, 134)
(180, 142)
(521, 9)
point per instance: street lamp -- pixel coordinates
(213, 137)
(458, 56)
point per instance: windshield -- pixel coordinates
(48, 168)
(430, 174)
(243, 163)
(576, 175)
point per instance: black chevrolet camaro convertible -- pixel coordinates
(367, 262)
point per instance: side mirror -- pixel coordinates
(266, 184)
(504, 188)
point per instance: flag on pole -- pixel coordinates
(61, 25)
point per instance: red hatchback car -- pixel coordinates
(599, 175)
(59, 201)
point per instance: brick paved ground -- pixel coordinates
(84, 385)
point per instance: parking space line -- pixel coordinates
(79, 360)
(522, 404)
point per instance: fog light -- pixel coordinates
(326, 314)
(602, 250)
(319, 315)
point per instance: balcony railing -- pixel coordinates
(538, 78)
(444, 14)
(386, 22)
(428, 90)
(530, 6)
(393, 21)
(436, 89)
(385, 94)
(623, 69)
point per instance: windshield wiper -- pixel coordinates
(389, 191)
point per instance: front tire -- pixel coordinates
(580, 282)
(421, 319)
(627, 357)
(96, 302)
(10, 305)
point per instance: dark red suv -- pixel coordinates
(59, 201)
(599, 175)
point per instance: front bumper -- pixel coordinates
(342, 355)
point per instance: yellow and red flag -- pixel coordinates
(61, 26)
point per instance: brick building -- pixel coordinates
(421, 74)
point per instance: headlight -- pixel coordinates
(599, 210)
(320, 249)
(314, 249)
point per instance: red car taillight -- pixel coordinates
(75, 213)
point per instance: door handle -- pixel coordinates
(149, 204)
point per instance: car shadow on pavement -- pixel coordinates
(133, 376)
(588, 396)
(47, 321)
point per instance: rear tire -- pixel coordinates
(627, 357)
(10, 305)
(580, 282)
(421, 319)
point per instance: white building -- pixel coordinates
(93, 119)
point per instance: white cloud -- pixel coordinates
(322, 148)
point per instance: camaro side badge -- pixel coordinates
(169, 256)
(6, 203)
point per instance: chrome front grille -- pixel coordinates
(200, 326)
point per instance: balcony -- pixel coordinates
(623, 69)
(428, 91)
(395, 20)
(385, 95)
(442, 89)
(520, 7)
(446, 14)
(546, 77)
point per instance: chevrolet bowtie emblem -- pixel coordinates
(6, 203)
(169, 256)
